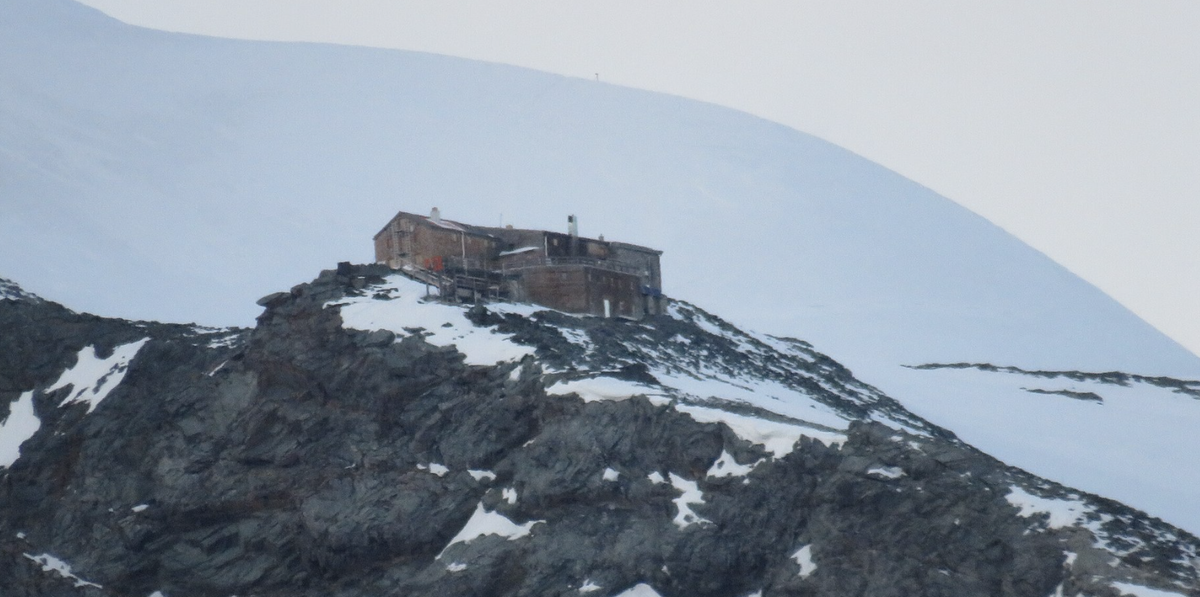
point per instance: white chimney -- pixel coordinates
(436, 216)
(572, 226)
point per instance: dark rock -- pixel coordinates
(305, 459)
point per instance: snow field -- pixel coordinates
(1133, 447)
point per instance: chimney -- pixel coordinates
(436, 216)
(572, 226)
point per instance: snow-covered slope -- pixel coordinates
(161, 176)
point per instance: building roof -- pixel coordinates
(500, 233)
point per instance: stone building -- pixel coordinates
(561, 271)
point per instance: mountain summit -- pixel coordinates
(367, 438)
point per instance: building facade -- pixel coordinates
(561, 271)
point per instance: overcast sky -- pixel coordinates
(1073, 124)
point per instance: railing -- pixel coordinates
(603, 264)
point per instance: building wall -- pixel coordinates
(428, 245)
(431, 242)
(641, 258)
(558, 287)
(581, 289)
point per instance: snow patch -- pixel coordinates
(479, 475)
(442, 324)
(456, 567)
(777, 438)
(20, 425)
(140, 508)
(1140, 591)
(611, 475)
(593, 389)
(1062, 512)
(434, 468)
(803, 557)
(92, 378)
(768, 395)
(887, 472)
(690, 494)
(726, 466)
(639, 590)
(483, 523)
(509, 494)
(656, 478)
(588, 586)
(50, 563)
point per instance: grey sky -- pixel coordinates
(1073, 124)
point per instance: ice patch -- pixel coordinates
(803, 557)
(1062, 512)
(1140, 591)
(20, 425)
(443, 325)
(483, 523)
(887, 472)
(611, 475)
(726, 466)
(140, 508)
(777, 438)
(456, 567)
(50, 563)
(690, 494)
(639, 590)
(606, 388)
(92, 378)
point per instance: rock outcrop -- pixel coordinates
(339, 449)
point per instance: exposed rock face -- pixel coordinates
(308, 458)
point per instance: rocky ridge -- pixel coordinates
(363, 439)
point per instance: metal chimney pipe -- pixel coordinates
(572, 226)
